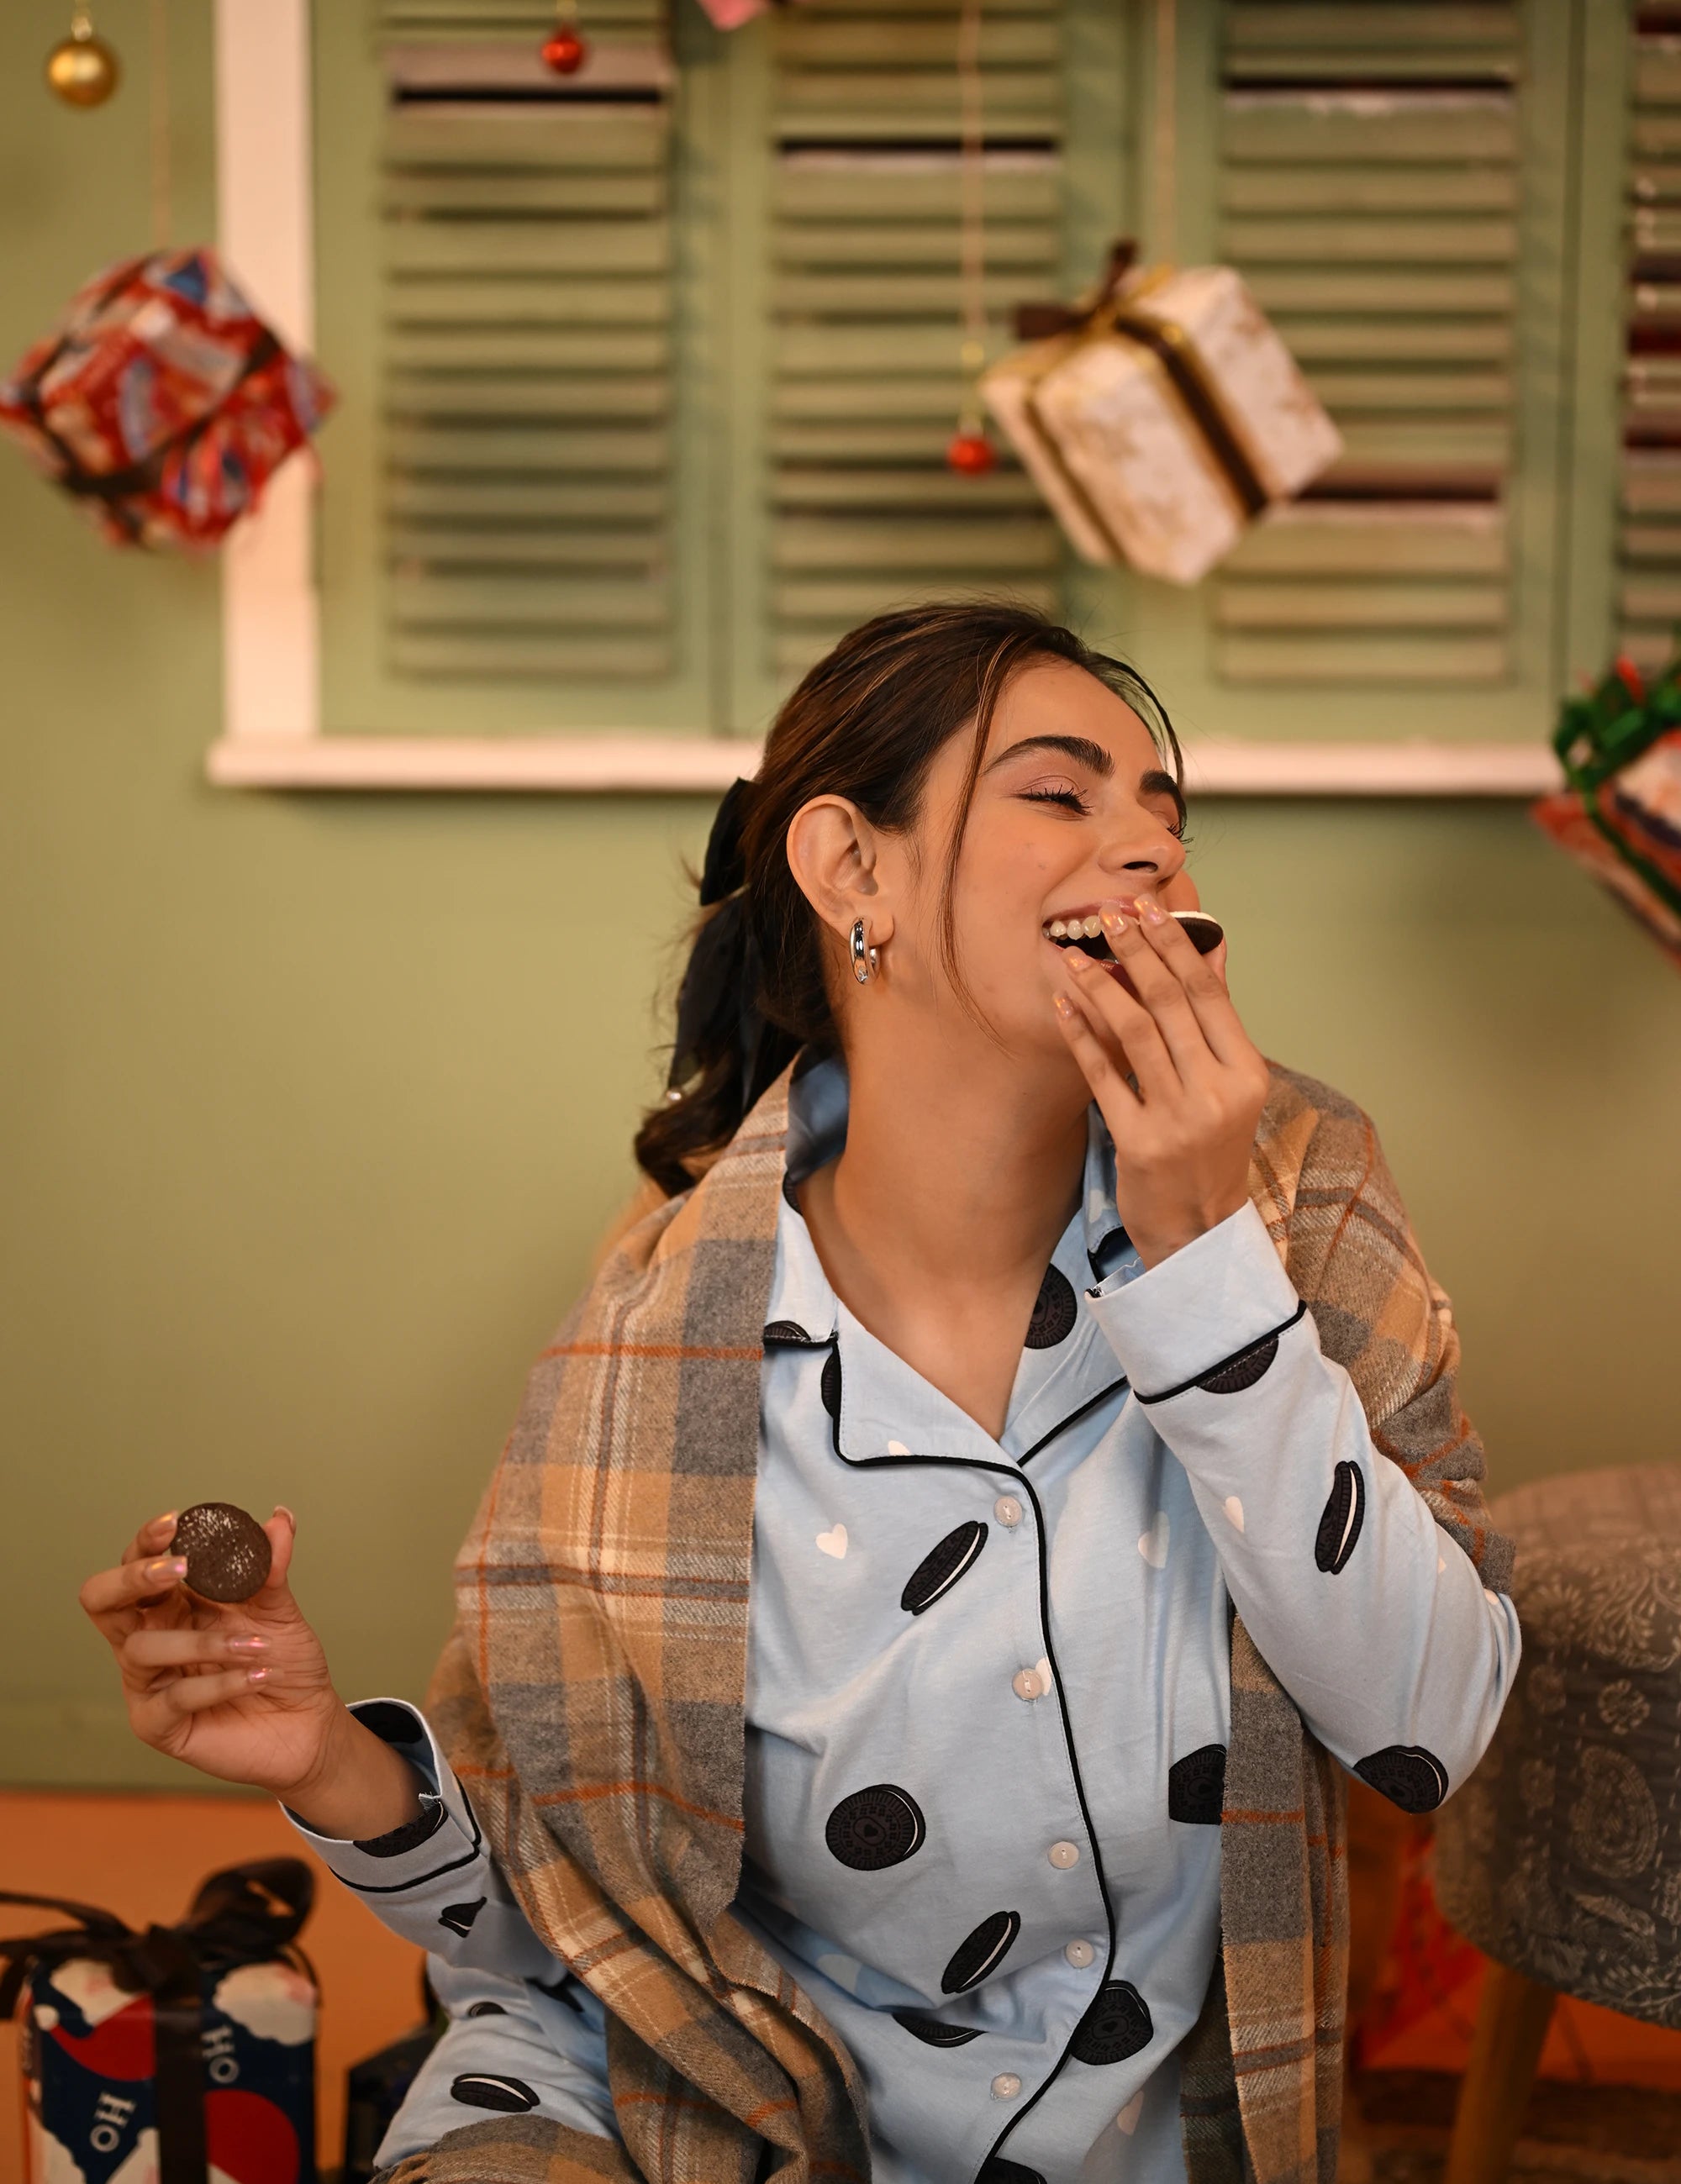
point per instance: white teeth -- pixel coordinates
(1056, 928)
(1093, 925)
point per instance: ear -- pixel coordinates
(832, 853)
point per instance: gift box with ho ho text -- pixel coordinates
(179, 2055)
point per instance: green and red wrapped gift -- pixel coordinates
(1619, 746)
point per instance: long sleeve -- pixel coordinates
(524, 2034)
(1371, 1616)
(434, 1881)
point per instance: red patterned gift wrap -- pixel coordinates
(163, 402)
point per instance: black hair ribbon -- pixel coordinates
(717, 1002)
(725, 868)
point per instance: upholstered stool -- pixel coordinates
(1561, 1859)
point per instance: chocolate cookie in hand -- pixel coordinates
(227, 1552)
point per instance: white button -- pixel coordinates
(1008, 1511)
(1079, 1954)
(1063, 1855)
(1005, 2085)
(1027, 1685)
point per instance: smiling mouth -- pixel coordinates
(1086, 932)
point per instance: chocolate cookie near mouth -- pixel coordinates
(1203, 932)
(227, 1552)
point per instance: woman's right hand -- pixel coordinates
(240, 1692)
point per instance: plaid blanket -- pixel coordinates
(591, 1695)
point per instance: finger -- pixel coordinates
(1160, 989)
(1125, 1033)
(197, 1694)
(1113, 1012)
(153, 1538)
(1197, 979)
(281, 1529)
(131, 1585)
(147, 1650)
(1108, 1087)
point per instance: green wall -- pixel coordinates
(311, 1107)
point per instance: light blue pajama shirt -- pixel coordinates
(988, 1701)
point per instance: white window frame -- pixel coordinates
(271, 734)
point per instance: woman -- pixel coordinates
(886, 1728)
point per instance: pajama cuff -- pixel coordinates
(445, 1835)
(1199, 1309)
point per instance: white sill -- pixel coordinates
(618, 765)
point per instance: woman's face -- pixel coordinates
(1073, 808)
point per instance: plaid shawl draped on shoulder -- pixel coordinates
(591, 1697)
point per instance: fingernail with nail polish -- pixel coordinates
(256, 1675)
(1076, 963)
(248, 1642)
(166, 1567)
(1064, 1007)
(1151, 910)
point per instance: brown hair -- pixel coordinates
(867, 723)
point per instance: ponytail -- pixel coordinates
(724, 1053)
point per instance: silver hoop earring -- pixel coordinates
(866, 959)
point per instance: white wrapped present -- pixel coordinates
(1162, 419)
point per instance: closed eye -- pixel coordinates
(1071, 799)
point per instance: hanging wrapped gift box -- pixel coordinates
(163, 402)
(178, 2055)
(1620, 747)
(1161, 417)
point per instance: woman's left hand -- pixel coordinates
(1182, 1138)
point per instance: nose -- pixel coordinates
(1142, 848)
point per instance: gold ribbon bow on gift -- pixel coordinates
(1111, 311)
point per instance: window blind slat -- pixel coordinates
(1648, 595)
(526, 364)
(865, 299)
(1368, 182)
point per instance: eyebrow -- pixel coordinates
(1156, 782)
(1081, 749)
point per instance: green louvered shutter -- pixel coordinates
(1649, 532)
(526, 372)
(864, 302)
(1368, 182)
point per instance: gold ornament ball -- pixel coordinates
(82, 71)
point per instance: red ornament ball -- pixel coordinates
(566, 53)
(971, 454)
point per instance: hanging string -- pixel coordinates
(158, 113)
(1165, 143)
(970, 451)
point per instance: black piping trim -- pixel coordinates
(1010, 1471)
(1208, 1371)
(1056, 2070)
(395, 1841)
(1073, 1418)
(454, 1865)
